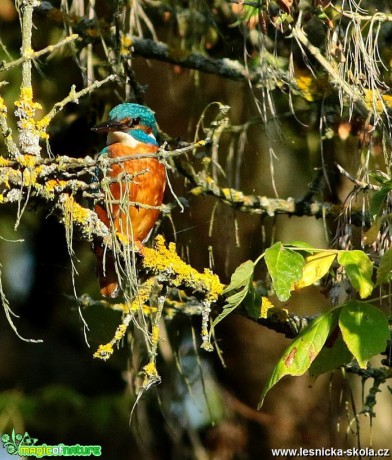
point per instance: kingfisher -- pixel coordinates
(136, 185)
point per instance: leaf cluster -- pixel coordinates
(353, 330)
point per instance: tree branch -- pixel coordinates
(256, 204)
(151, 49)
(225, 68)
(36, 54)
(349, 90)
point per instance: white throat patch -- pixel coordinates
(123, 138)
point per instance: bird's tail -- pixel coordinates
(106, 271)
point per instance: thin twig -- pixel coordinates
(37, 54)
(350, 91)
(377, 16)
(74, 96)
(358, 183)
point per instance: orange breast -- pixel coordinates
(135, 183)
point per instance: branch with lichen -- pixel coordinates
(350, 91)
(6, 131)
(59, 183)
(29, 135)
(31, 130)
(225, 68)
(165, 270)
(37, 54)
(74, 97)
(133, 46)
(203, 184)
(274, 75)
(54, 181)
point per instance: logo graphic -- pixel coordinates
(12, 443)
(26, 446)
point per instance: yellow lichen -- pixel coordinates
(77, 212)
(29, 177)
(154, 335)
(266, 306)
(162, 259)
(307, 87)
(205, 333)
(104, 351)
(26, 102)
(41, 126)
(120, 332)
(3, 107)
(27, 109)
(124, 239)
(52, 184)
(4, 162)
(142, 297)
(125, 45)
(232, 194)
(197, 191)
(27, 160)
(375, 100)
(150, 370)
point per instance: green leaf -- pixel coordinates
(359, 269)
(365, 330)
(316, 266)
(331, 358)
(371, 234)
(285, 267)
(241, 277)
(252, 303)
(381, 179)
(298, 357)
(377, 203)
(303, 246)
(384, 271)
(232, 303)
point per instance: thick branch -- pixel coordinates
(225, 68)
(255, 204)
(150, 49)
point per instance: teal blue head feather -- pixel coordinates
(135, 120)
(135, 111)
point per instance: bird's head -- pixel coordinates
(129, 124)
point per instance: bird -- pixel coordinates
(136, 185)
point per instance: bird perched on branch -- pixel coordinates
(135, 184)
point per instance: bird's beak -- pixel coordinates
(107, 126)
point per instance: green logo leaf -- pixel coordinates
(365, 330)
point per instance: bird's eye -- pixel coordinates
(135, 122)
